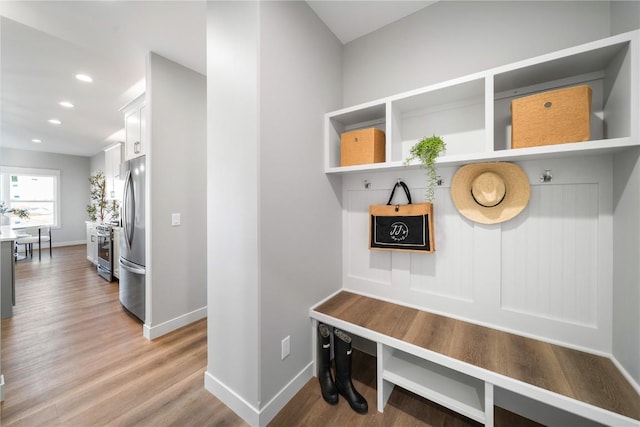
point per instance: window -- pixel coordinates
(36, 190)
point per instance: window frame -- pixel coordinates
(5, 191)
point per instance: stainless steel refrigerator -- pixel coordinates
(132, 244)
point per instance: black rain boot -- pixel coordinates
(342, 355)
(328, 387)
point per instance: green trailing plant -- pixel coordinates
(427, 151)
(101, 207)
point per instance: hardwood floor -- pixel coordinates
(72, 357)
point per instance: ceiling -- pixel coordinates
(43, 44)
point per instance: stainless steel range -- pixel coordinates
(105, 251)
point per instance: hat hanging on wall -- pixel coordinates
(490, 193)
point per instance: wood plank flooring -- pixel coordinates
(72, 357)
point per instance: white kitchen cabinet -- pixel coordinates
(92, 242)
(117, 237)
(135, 127)
(112, 160)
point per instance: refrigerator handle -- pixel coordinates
(131, 267)
(127, 223)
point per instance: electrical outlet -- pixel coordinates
(175, 219)
(286, 346)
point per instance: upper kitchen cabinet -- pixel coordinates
(135, 127)
(112, 160)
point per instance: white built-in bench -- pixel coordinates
(468, 368)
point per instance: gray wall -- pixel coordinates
(176, 158)
(274, 239)
(74, 189)
(97, 163)
(454, 38)
(232, 203)
(625, 16)
(300, 207)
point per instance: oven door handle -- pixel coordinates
(133, 268)
(103, 234)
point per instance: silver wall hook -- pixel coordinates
(546, 176)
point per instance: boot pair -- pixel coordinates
(342, 355)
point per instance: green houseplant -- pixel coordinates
(427, 151)
(101, 207)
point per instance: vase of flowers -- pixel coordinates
(6, 212)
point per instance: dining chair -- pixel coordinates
(35, 235)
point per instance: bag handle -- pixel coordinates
(404, 187)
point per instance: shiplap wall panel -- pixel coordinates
(546, 273)
(362, 263)
(549, 256)
(449, 271)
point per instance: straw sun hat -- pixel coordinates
(490, 193)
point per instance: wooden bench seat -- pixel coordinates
(577, 382)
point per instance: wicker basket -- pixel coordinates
(362, 146)
(553, 117)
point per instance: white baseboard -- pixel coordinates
(271, 409)
(1, 388)
(626, 374)
(249, 413)
(71, 243)
(153, 332)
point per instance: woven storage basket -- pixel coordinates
(553, 117)
(362, 146)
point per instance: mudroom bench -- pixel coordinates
(468, 368)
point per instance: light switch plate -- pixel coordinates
(286, 346)
(175, 219)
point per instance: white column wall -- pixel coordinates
(300, 207)
(274, 239)
(233, 191)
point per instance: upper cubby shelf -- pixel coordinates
(473, 113)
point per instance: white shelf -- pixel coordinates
(601, 146)
(444, 386)
(473, 116)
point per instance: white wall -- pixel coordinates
(455, 38)
(74, 189)
(176, 158)
(273, 70)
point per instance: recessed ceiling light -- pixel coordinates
(55, 122)
(37, 141)
(84, 78)
(66, 104)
